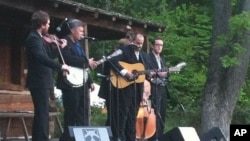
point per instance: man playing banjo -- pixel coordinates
(75, 98)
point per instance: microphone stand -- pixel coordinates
(108, 99)
(116, 125)
(154, 105)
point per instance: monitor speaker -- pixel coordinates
(180, 134)
(214, 134)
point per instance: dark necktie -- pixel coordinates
(79, 49)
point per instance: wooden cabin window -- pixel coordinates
(11, 62)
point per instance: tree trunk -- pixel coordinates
(223, 84)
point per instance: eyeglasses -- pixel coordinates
(158, 44)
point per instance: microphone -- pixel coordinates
(87, 38)
(59, 28)
(101, 75)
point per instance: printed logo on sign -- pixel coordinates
(91, 135)
(239, 132)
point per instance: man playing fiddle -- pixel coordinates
(40, 73)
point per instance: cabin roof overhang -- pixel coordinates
(102, 24)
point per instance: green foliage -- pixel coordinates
(187, 38)
(228, 61)
(239, 24)
(241, 112)
(98, 117)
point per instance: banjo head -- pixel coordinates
(76, 77)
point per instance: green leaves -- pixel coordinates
(228, 61)
(240, 23)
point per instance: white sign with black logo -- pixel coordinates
(91, 134)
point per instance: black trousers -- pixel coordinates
(124, 108)
(159, 103)
(76, 103)
(40, 127)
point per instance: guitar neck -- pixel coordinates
(148, 71)
(100, 61)
(116, 53)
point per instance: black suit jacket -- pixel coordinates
(40, 62)
(129, 56)
(72, 58)
(153, 63)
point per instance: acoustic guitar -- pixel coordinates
(139, 72)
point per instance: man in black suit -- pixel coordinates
(107, 91)
(127, 101)
(76, 100)
(40, 73)
(158, 86)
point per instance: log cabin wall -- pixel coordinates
(12, 37)
(13, 96)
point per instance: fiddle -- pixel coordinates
(53, 40)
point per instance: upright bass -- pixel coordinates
(146, 118)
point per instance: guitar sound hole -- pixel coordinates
(133, 78)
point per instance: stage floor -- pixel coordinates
(13, 139)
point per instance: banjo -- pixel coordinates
(77, 77)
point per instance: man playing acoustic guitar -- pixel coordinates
(129, 96)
